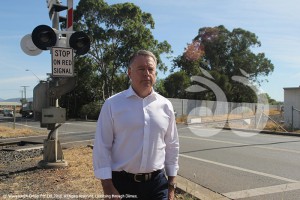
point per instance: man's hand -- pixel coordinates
(110, 192)
(171, 194)
(171, 188)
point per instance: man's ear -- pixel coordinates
(129, 72)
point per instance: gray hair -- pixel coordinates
(142, 53)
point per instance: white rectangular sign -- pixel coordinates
(62, 62)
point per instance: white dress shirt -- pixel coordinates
(137, 135)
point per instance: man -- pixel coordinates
(136, 140)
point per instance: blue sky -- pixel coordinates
(275, 22)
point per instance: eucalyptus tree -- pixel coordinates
(226, 53)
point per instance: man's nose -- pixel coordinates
(146, 72)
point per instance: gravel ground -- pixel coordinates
(14, 161)
(20, 178)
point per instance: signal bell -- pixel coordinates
(43, 37)
(80, 42)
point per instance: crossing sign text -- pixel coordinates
(62, 62)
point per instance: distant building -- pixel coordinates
(9, 106)
(292, 107)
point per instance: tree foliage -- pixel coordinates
(224, 54)
(175, 85)
(116, 31)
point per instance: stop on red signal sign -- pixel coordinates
(62, 62)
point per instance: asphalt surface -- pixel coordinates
(226, 163)
(241, 165)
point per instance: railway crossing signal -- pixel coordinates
(62, 44)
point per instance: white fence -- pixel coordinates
(208, 108)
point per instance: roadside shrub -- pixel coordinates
(91, 110)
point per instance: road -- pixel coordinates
(241, 166)
(70, 134)
(236, 164)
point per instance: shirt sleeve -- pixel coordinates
(103, 144)
(172, 146)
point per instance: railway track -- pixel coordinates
(21, 145)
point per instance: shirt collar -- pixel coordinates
(130, 92)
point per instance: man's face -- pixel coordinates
(142, 73)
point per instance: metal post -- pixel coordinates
(55, 24)
(292, 118)
(182, 108)
(255, 110)
(14, 115)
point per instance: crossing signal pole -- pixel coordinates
(63, 44)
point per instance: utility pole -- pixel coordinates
(24, 89)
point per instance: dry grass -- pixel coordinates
(269, 126)
(182, 119)
(9, 132)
